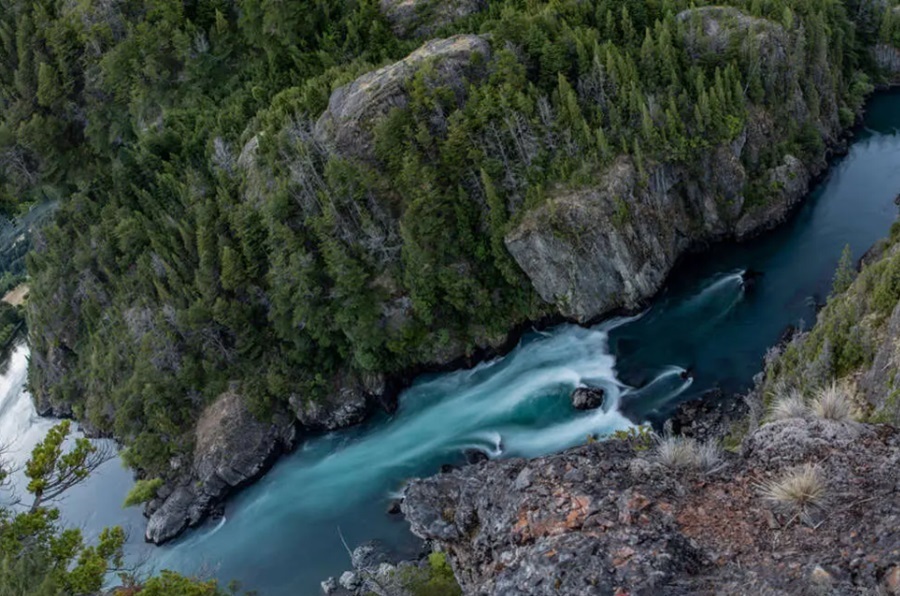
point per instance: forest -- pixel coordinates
(205, 236)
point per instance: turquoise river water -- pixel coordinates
(281, 535)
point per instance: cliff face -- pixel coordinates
(231, 448)
(613, 245)
(612, 518)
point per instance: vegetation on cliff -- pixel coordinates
(852, 349)
(210, 230)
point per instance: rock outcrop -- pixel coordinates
(710, 417)
(610, 246)
(609, 518)
(354, 109)
(722, 29)
(420, 18)
(231, 449)
(888, 59)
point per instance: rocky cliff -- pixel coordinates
(624, 517)
(232, 448)
(612, 244)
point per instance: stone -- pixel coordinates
(791, 178)
(821, 577)
(329, 586)
(393, 507)
(606, 518)
(170, 518)
(369, 554)
(611, 245)
(888, 59)
(587, 398)
(350, 581)
(749, 279)
(892, 580)
(708, 417)
(506, 535)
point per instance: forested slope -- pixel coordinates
(293, 201)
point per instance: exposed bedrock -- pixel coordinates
(608, 518)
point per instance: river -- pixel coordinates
(281, 536)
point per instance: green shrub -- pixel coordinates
(436, 579)
(143, 491)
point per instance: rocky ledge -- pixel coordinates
(619, 517)
(232, 448)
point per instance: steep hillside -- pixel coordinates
(854, 342)
(279, 210)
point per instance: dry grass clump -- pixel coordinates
(802, 491)
(687, 454)
(789, 406)
(833, 403)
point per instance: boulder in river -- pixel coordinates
(393, 507)
(749, 278)
(588, 398)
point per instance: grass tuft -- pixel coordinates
(687, 454)
(789, 406)
(833, 403)
(802, 491)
